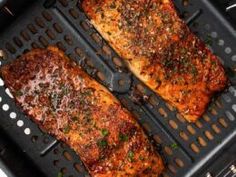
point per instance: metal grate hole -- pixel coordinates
(101, 76)
(153, 101)
(171, 108)
(74, 13)
(67, 156)
(121, 82)
(39, 22)
(85, 25)
(185, 2)
(20, 123)
(27, 131)
(206, 118)
(97, 38)
(180, 118)
(201, 141)
(168, 150)
(46, 15)
(18, 42)
(61, 46)
(57, 28)
(63, 2)
(34, 45)
(12, 115)
(162, 112)
(32, 28)
(233, 58)
(179, 162)
(43, 41)
(183, 135)
(25, 35)
(78, 167)
(46, 140)
(89, 62)
(107, 50)
(216, 128)
(10, 48)
(191, 129)
(223, 122)
(56, 163)
(209, 135)
(172, 169)
(230, 116)
(140, 88)
(56, 151)
(68, 40)
(173, 124)
(198, 124)
(218, 103)
(147, 127)
(64, 170)
(157, 139)
(34, 139)
(50, 34)
(72, 56)
(25, 51)
(213, 111)
(228, 50)
(195, 148)
(117, 61)
(80, 53)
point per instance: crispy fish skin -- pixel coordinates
(65, 102)
(161, 51)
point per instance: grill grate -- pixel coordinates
(185, 146)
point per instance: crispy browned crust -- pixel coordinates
(65, 102)
(160, 50)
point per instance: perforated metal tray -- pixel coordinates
(186, 147)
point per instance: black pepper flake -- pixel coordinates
(131, 156)
(18, 93)
(104, 132)
(113, 5)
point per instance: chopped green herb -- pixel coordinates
(102, 143)
(141, 158)
(131, 156)
(60, 174)
(66, 129)
(123, 137)
(104, 132)
(208, 40)
(174, 146)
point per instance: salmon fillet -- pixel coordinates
(160, 50)
(65, 102)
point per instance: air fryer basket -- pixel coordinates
(186, 147)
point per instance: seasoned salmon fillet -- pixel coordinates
(65, 102)
(160, 50)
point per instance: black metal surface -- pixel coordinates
(187, 148)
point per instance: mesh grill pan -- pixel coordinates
(186, 147)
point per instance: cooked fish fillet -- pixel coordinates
(67, 103)
(160, 50)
